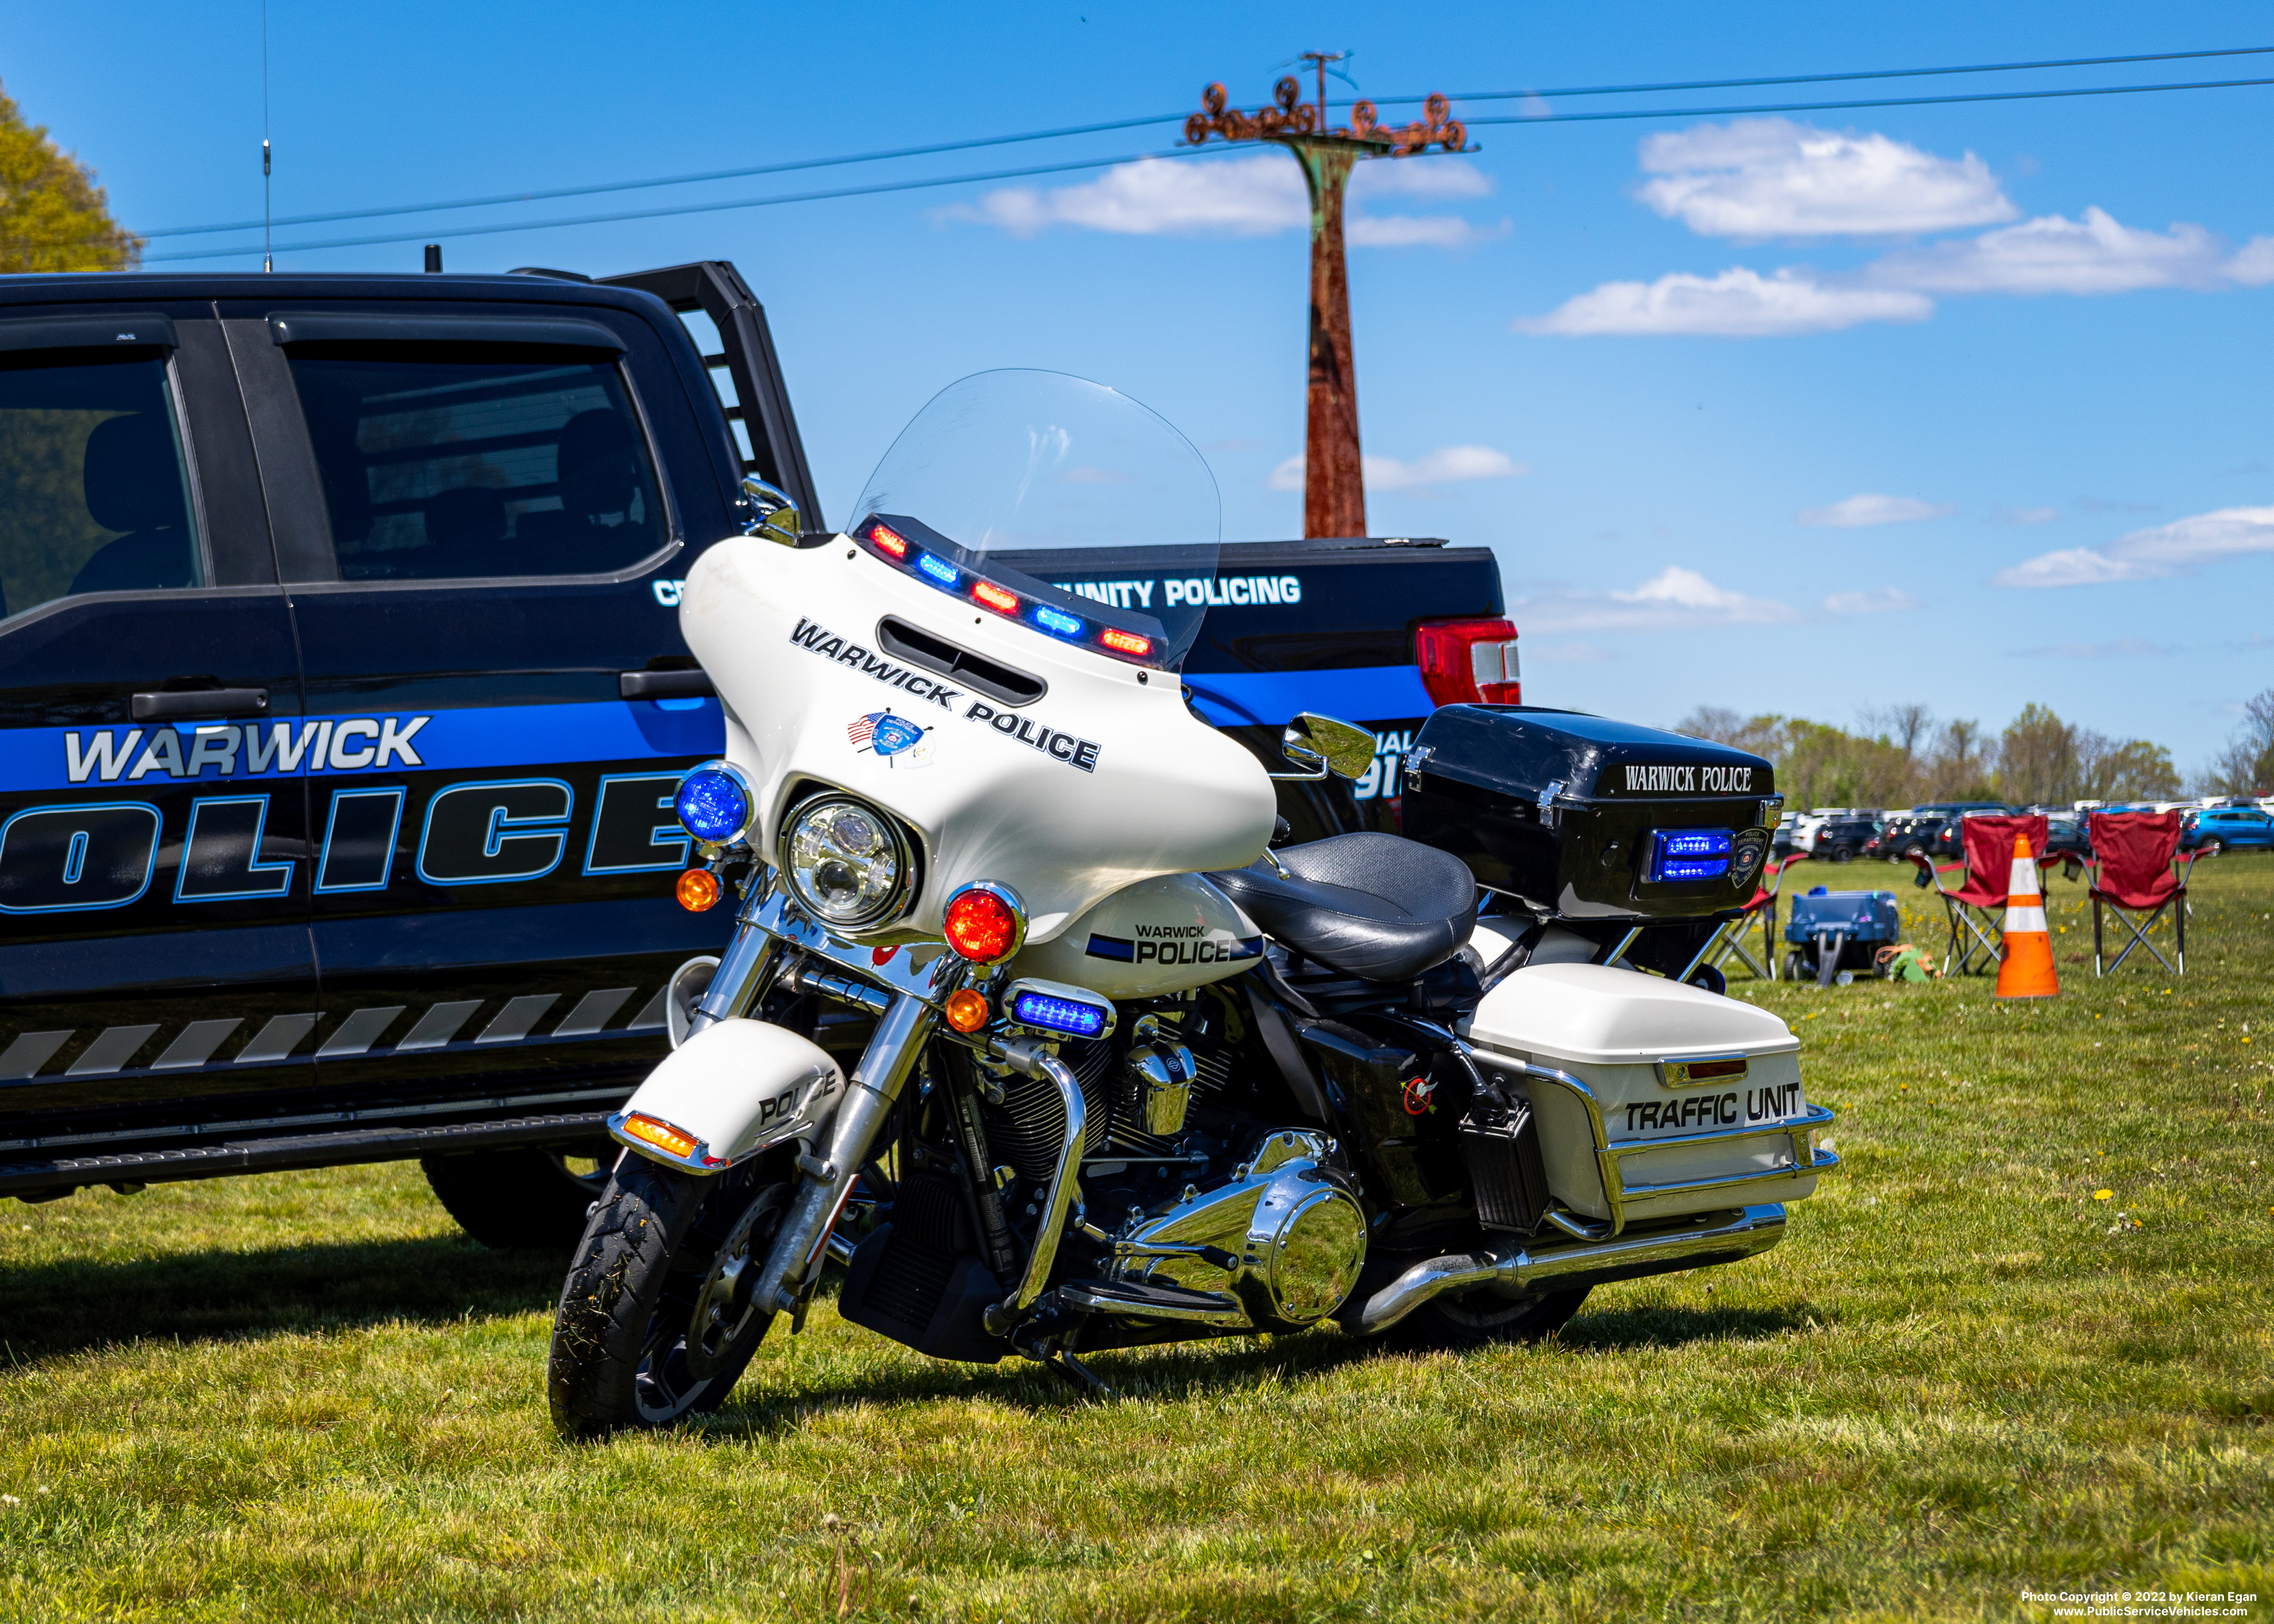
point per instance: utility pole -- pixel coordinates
(1333, 478)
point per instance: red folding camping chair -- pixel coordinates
(1989, 843)
(2136, 869)
(1729, 940)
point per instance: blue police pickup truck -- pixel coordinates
(343, 699)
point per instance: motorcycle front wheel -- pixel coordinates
(647, 1333)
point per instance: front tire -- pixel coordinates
(646, 1335)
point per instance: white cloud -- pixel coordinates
(1764, 177)
(2179, 548)
(1877, 600)
(1449, 466)
(2253, 264)
(1437, 178)
(1673, 599)
(1856, 512)
(2024, 515)
(1258, 195)
(1419, 231)
(1737, 304)
(2053, 254)
(1155, 197)
(1565, 654)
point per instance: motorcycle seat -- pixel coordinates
(1373, 906)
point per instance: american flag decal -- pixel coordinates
(862, 731)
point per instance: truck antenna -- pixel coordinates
(268, 257)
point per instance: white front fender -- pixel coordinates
(732, 1090)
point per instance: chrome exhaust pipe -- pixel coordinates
(1516, 1272)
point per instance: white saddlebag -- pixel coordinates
(1678, 1101)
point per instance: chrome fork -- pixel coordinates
(740, 979)
(876, 1083)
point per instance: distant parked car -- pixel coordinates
(1900, 835)
(1949, 842)
(2226, 829)
(1844, 839)
(1807, 829)
(1781, 840)
(2067, 836)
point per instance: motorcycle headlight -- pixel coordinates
(848, 862)
(714, 803)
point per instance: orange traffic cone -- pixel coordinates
(2027, 969)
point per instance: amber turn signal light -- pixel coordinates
(967, 1010)
(698, 890)
(662, 1135)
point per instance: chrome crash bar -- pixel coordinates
(1806, 1159)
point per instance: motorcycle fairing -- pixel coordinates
(1102, 780)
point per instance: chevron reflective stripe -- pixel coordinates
(356, 1035)
(29, 1052)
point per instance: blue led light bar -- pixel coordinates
(1056, 621)
(1687, 854)
(1055, 1014)
(939, 569)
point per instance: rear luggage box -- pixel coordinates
(1653, 1099)
(1587, 818)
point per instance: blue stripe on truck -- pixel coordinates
(1269, 698)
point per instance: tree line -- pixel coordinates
(53, 217)
(1903, 756)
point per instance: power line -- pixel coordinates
(685, 208)
(673, 180)
(1826, 107)
(1833, 78)
(1183, 152)
(891, 153)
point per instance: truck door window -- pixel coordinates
(94, 496)
(463, 461)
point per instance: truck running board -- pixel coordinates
(59, 1175)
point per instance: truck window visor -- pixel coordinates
(133, 330)
(351, 328)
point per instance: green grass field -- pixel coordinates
(1966, 1374)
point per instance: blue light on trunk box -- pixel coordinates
(1687, 854)
(1053, 1014)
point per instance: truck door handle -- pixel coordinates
(664, 685)
(201, 703)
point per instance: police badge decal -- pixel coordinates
(899, 741)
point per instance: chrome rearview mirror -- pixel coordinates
(1322, 744)
(768, 512)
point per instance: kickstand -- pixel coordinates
(1080, 1375)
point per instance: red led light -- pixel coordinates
(888, 541)
(981, 927)
(1125, 642)
(994, 598)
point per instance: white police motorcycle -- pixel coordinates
(1129, 1077)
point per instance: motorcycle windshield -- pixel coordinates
(1025, 493)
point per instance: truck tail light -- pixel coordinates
(1468, 662)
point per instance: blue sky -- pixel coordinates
(1806, 412)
